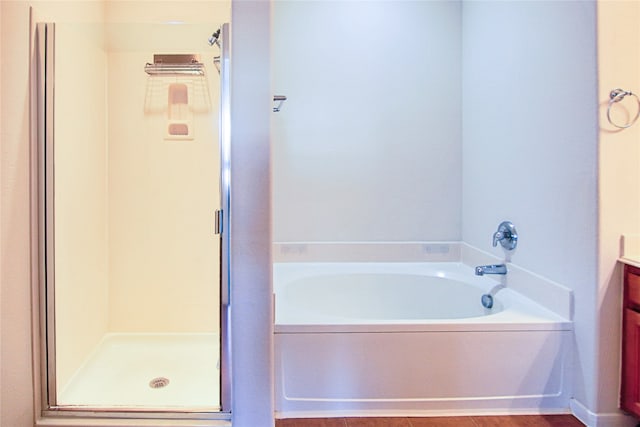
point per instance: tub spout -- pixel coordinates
(481, 270)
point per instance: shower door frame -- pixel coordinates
(42, 74)
(224, 115)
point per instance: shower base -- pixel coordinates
(147, 372)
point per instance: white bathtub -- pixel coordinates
(412, 338)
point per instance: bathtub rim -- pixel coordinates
(546, 292)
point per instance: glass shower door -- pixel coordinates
(129, 176)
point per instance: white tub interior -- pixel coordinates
(377, 296)
(399, 296)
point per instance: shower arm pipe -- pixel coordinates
(215, 38)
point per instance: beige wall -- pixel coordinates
(16, 372)
(163, 269)
(1, 240)
(81, 269)
(16, 396)
(619, 193)
(162, 194)
(153, 11)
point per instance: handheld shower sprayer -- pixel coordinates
(214, 38)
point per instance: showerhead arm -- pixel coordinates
(214, 38)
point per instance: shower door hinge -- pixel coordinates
(218, 221)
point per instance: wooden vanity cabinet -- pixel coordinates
(630, 382)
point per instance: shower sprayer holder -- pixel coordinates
(506, 235)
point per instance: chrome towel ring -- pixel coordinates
(618, 95)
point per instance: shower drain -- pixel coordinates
(159, 382)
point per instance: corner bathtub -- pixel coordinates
(412, 338)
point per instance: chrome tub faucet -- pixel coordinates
(506, 235)
(481, 270)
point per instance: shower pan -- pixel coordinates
(131, 275)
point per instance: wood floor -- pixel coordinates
(480, 421)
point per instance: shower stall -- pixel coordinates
(130, 162)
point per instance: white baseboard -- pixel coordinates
(591, 419)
